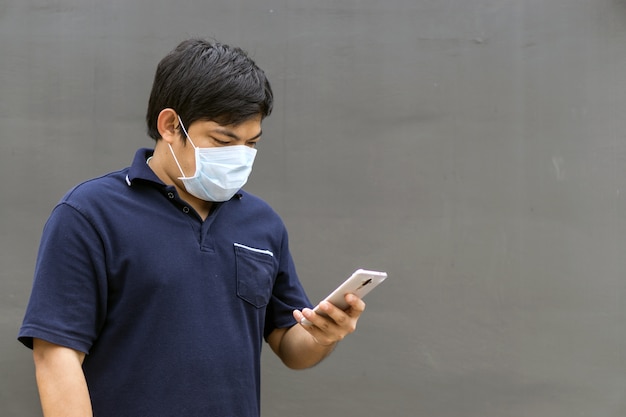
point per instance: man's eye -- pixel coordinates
(221, 142)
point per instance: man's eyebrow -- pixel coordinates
(230, 134)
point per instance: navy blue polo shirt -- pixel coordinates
(171, 310)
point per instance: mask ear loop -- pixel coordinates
(176, 160)
(186, 134)
(172, 150)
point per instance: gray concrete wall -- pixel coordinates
(474, 149)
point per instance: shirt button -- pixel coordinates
(185, 209)
(170, 195)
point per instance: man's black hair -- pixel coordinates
(203, 80)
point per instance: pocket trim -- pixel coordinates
(264, 251)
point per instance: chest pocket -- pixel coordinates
(255, 274)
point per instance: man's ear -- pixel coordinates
(168, 125)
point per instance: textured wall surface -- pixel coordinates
(474, 149)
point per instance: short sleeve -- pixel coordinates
(287, 294)
(67, 305)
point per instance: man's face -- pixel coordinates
(210, 134)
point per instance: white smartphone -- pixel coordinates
(360, 283)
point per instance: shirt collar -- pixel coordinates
(139, 170)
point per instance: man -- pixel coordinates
(156, 285)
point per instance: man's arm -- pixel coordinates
(61, 381)
(302, 346)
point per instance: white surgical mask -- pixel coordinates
(220, 172)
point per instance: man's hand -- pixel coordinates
(302, 346)
(337, 324)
